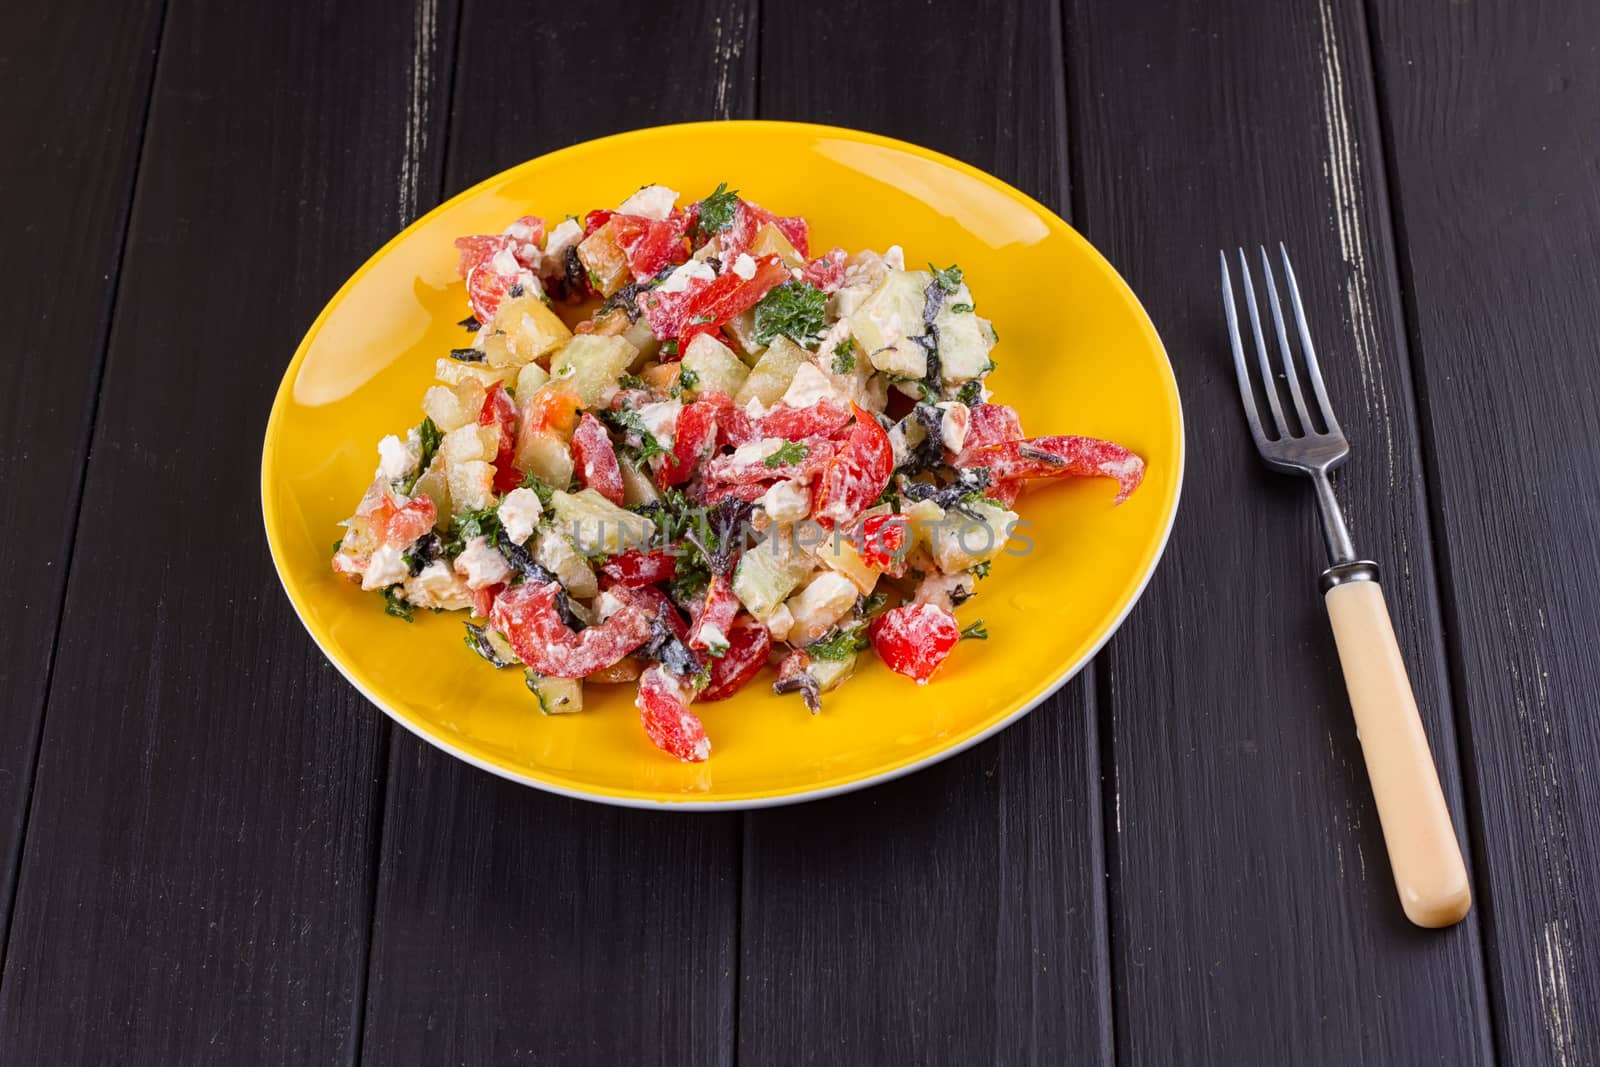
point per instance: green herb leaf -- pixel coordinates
(479, 522)
(977, 631)
(687, 380)
(971, 394)
(542, 491)
(429, 436)
(843, 643)
(844, 356)
(787, 455)
(949, 279)
(962, 308)
(337, 545)
(981, 570)
(716, 212)
(632, 427)
(395, 603)
(669, 348)
(632, 381)
(794, 310)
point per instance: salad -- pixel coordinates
(675, 448)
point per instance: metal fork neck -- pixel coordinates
(1334, 532)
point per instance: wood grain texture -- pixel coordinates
(512, 924)
(68, 157)
(1255, 918)
(955, 916)
(1491, 114)
(196, 882)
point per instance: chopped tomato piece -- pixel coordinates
(399, 523)
(637, 567)
(595, 458)
(858, 474)
(735, 427)
(749, 492)
(551, 409)
(499, 409)
(883, 541)
(694, 439)
(822, 419)
(596, 219)
(486, 288)
(992, 424)
(1058, 457)
(478, 250)
(748, 218)
(915, 639)
(655, 604)
(708, 632)
(664, 709)
(527, 615)
(650, 244)
(826, 272)
(748, 646)
(483, 599)
(707, 306)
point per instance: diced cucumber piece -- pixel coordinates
(590, 365)
(772, 373)
(886, 322)
(964, 343)
(962, 541)
(637, 488)
(831, 673)
(556, 696)
(715, 366)
(742, 328)
(769, 572)
(594, 524)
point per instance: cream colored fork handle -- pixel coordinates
(1423, 852)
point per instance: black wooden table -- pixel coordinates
(216, 851)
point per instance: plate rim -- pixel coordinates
(747, 803)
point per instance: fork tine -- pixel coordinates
(1247, 394)
(1268, 386)
(1306, 346)
(1285, 350)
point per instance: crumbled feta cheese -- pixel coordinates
(895, 258)
(520, 231)
(780, 622)
(945, 590)
(819, 605)
(786, 501)
(679, 279)
(385, 569)
(755, 408)
(438, 587)
(660, 420)
(606, 605)
(811, 386)
(504, 262)
(954, 424)
(844, 302)
(744, 266)
(897, 443)
(481, 564)
(519, 513)
(713, 638)
(651, 202)
(755, 451)
(396, 458)
(566, 234)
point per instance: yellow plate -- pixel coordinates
(1077, 354)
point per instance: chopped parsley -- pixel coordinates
(844, 356)
(701, 320)
(971, 394)
(632, 381)
(395, 603)
(962, 308)
(981, 570)
(631, 426)
(541, 490)
(787, 455)
(977, 631)
(793, 310)
(949, 279)
(478, 522)
(338, 546)
(687, 380)
(843, 643)
(716, 212)
(669, 348)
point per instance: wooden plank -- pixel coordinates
(1255, 919)
(958, 915)
(197, 880)
(69, 157)
(511, 923)
(1490, 118)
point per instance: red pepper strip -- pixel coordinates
(664, 710)
(1059, 457)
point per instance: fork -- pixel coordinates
(1423, 852)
